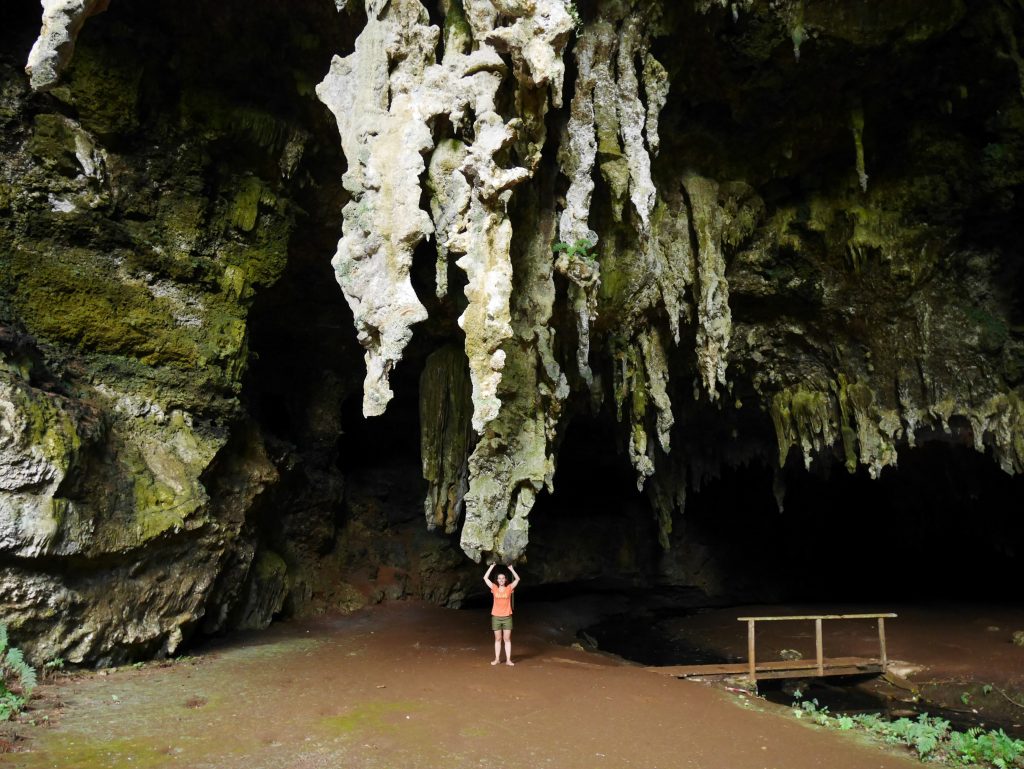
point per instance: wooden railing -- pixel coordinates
(818, 642)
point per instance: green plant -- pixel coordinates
(845, 723)
(965, 698)
(992, 748)
(17, 678)
(818, 714)
(51, 667)
(581, 248)
(923, 735)
(929, 737)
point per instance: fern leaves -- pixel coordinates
(13, 668)
(14, 664)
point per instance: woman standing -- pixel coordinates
(501, 612)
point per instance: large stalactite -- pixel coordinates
(390, 90)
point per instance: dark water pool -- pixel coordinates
(647, 638)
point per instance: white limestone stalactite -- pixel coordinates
(641, 380)
(656, 87)
(534, 41)
(578, 149)
(385, 97)
(608, 119)
(576, 157)
(671, 258)
(514, 459)
(656, 374)
(484, 235)
(806, 418)
(1003, 419)
(610, 53)
(62, 21)
(632, 117)
(384, 133)
(584, 273)
(714, 318)
(486, 320)
(449, 199)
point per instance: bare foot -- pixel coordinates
(511, 664)
(495, 662)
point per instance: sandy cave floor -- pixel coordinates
(409, 685)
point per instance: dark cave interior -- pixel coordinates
(944, 524)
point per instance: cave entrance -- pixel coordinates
(942, 525)
(935, 539)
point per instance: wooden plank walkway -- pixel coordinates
(834, 666)
(819, 667)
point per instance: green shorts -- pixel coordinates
(501, 623)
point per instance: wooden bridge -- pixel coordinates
(821, 666)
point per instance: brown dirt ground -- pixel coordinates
(406, 686)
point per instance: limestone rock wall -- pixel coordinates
(140, 213)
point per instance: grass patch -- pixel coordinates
(372, 716)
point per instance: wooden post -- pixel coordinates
(881, 643)
(819, 647)
(751, 653)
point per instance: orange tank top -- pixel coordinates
(502, 601)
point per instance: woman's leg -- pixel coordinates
(508, 646)
(497, 647)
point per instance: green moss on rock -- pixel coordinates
(72, 296)
(104, 90)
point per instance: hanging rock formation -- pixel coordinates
(662, 257)
(62, 20)
(386, 95)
